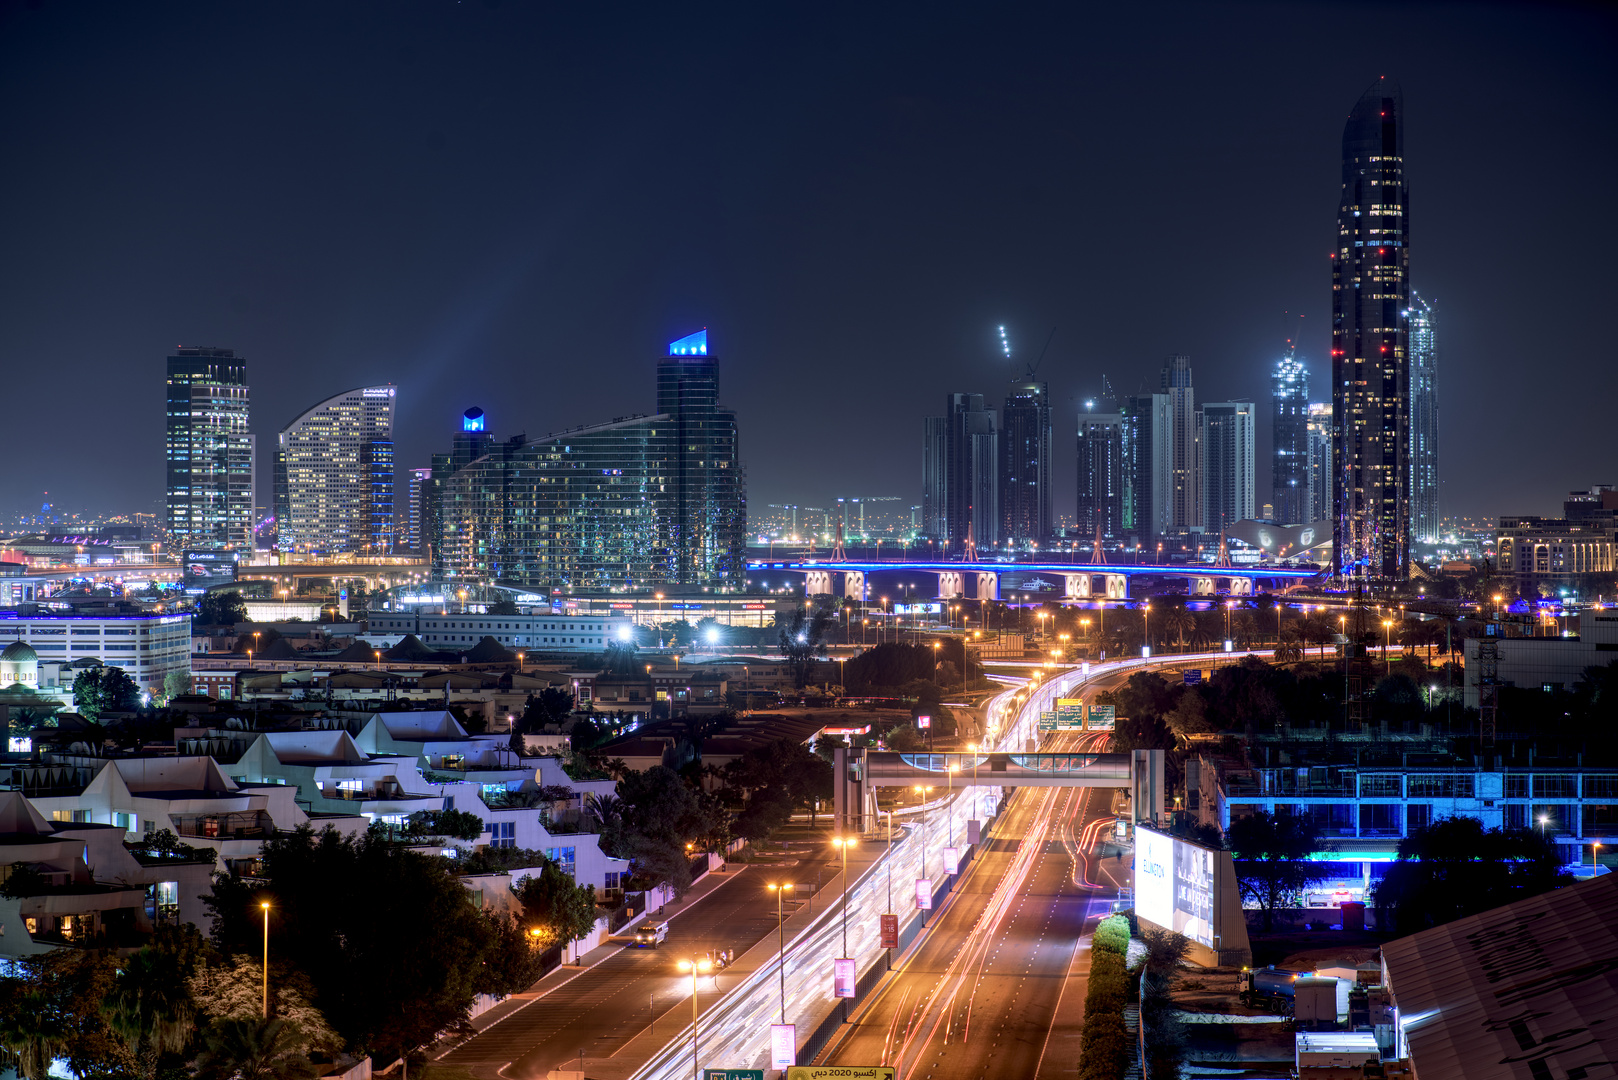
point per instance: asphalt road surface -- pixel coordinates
(598, 1012)
(996, 988)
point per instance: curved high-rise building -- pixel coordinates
(334, 476)
(1370, 344)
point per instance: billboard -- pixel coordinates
(205, 568)
(843, 977)
(1174, 884)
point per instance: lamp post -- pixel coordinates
(842, 844)
(1387, 643)
(890, 876)
(922, 790)
(695, 967)
(264, 905)
(781, 924)
(1146, 623)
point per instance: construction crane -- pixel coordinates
(1005, 349)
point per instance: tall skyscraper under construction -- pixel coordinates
(1425, 514)
(1370, 344)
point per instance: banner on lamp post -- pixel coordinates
(952, 860)
(924, 721)
(924, 894)
(783, 1046)
(890, 931)
(974, 831)
(843, 977)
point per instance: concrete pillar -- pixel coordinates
(1241, 586)
(1117, 586)
(1204, 586)
(951, 584)
(988, 585)
(854, 587)
(817, 583)
(1078, 585)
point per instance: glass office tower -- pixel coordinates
(1289, 395)
(1370, 344)
(334, 476)
(208, 451)
(1425, 516)
(636, 503)
(1025, 465)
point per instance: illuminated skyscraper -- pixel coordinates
(1289, 471)
(1422, 318)
(1226, 442)
(1182, 505)
(334, 476)
(1318, 508)
(638, 502)
(420, 481)
(209, 451)
(1025, 464)
(1370, 344)
(1103, 486)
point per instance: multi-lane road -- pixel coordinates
(997, 986)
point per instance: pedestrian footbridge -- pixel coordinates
(886, 768)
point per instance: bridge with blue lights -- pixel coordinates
(1080, 581)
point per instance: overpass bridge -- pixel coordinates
(1080, 581)
(887, 768)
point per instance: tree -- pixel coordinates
(1179, 621)
(229, 992)
(786, 766)
(150, 1007)
(53, 1009)
(176, 683)
(658, 813)
(409, 994)
(1455, 867)
(802, 639)
(506, 606)
(222, 607)
(547, 708)
(1272, 859)
(454, 824)
(555, 905)
(103, 689)
(253, 1049)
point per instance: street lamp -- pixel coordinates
(842, 844)
(781, 924)
(264, 905)
(695, 967)
(1543, 819)
(922, 790)
(1387, 643)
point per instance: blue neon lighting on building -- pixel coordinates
(472, 419)
(691, 345)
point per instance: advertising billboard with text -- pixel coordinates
(1174, 884)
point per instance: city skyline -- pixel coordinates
(497, 297)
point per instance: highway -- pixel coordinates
(997, 986)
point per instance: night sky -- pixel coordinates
(517, 206)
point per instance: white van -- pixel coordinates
(649, 934)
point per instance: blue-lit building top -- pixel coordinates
(472, 419)
(691, 345)
(637, 503)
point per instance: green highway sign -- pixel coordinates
(732, 1074)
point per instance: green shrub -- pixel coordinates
(1104, 1044)
(1104, 1053)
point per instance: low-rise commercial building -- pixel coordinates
(1546, 663)
(148, 647)
(536, 633)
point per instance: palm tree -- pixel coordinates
(1179, 621)
(34, 1032)
(603, 809)
(150, 1007)
(254, 1050)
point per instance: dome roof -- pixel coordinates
(20, 652)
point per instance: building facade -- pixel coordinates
(209, 451)
(1182, 505)
(147, 647)
(1370, 344)
(635, 503)
(1145, 467)
(334, 479)
(968, 438)
(1025, 465)
(419, 480)
(1228, 482)
(1289, 478)
(1319, 505)
(1102, 483)
(1425, 514)
(1553, 556)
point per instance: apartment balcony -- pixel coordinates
(243, 825)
